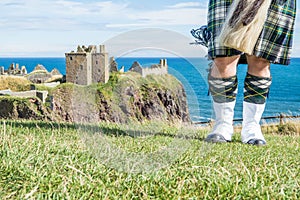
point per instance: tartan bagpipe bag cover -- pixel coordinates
(244, 24)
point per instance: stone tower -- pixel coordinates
(1, 70)
(88, 65)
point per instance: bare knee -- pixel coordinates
(225, 66)
(258, 66)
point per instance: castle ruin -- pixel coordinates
(88, 65)
(14, 69)
(2, 70)
(157, 69)
(41, 75)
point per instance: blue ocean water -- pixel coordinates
(284, 95)
(30, 63)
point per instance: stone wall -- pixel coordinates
(1, 70)
(100, 68)
(113, 65)
(76, 64)
(39, 77)
(42, 95)
(88, 65)
(87, 71)
(13, 69)
(158, 69)
(136, 67)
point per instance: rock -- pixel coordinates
(23, 108)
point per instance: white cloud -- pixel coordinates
(65, 22)
(71, 15)
(53, 15)
(47, 24)
(186, 5)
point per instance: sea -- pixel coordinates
(284, 97)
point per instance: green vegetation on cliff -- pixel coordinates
(124, 98)
(41, 160)
(22, 108)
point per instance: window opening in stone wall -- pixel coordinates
(81, 67)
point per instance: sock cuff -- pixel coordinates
(256, 89)
(258, 77)
(223, 89)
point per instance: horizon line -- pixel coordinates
(118, 57)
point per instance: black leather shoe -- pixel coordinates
(256, 142)
(215, 138)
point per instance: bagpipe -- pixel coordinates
(202, 36)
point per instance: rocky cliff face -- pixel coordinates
(124, 98)
(23, 108)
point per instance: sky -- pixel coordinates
(50, 28)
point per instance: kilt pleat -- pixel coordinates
(275, 41)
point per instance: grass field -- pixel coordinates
(151, 161)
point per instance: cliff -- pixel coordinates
(124, 98)
(23, 108)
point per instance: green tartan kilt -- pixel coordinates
(275, 41)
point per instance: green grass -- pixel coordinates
(150, 161)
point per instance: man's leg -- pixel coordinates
(223, 88)
(256, 89)
(224, 67)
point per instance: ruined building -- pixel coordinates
(88, 65)
(14, 69)
(2, 70)
(41, 75)
(157, 69)
(113, 66)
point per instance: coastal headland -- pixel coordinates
(94, 89)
